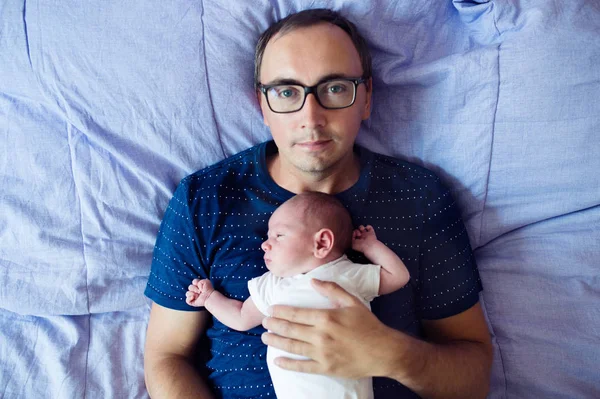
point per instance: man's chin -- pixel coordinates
(314, 167)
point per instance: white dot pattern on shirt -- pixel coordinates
(452, 301)
(444, 229)
(174, 230)
(406, 198)
(177, 244)
(212, 226)
(414, 223)
(442, 210)
(452, 289)
(231, 236)
(223, 265)
(396, 177)
(169, 267)
(423, 219)
(233, 214)
(247, 387)
(245, 278)
(454, 237)
(237, 369)
(181, 215)
(462, 251)
(235, 356)
(386, 386)
(157, 277)
(164, 293)
(230, 344)
(435, 246)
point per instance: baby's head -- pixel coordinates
(307, 231)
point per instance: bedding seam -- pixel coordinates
(87, 353)
(26, 35)
(212, 107)
(65, 114)
(70, 128)
(487, 184)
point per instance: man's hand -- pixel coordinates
(339, 341)
(199, 292)
(349, 341)
(363, 238)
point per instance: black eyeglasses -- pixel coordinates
(330, 94)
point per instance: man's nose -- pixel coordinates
(313, 115)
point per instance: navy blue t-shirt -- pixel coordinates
(217, 219)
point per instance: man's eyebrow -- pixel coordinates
(335, 76)
(287, 81)
(283, 81)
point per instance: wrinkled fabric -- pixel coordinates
(105, 107)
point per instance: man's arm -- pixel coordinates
(459, 345)
(171, 341)
(349, 341)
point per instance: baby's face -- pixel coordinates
(289, 248)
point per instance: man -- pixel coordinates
(429, 339)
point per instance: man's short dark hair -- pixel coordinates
(308, 18)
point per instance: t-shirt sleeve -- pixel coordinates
(176, 260)
(364, 280)
(261, 292)
(449, 280)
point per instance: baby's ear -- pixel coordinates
(323, 243)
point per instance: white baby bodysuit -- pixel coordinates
(360, 280)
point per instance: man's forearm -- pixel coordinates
(458, 369)
(174, 377)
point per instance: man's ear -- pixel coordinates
(369, 91)
(323, 243)
(264, 107)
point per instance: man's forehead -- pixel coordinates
(308, 54)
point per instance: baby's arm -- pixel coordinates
(394, 274)
(234, 314)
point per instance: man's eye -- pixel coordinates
(336, 89)
(286, 92)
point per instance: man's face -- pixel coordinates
(314, 139)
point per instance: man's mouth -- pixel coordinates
(314, 145)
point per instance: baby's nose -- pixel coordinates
(265, 246)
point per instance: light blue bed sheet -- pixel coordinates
(105, 107)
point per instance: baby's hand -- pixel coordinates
(198, 292)
(363, 237)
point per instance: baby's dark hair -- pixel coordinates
(326, 211)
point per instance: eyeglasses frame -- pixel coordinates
(312, 89)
